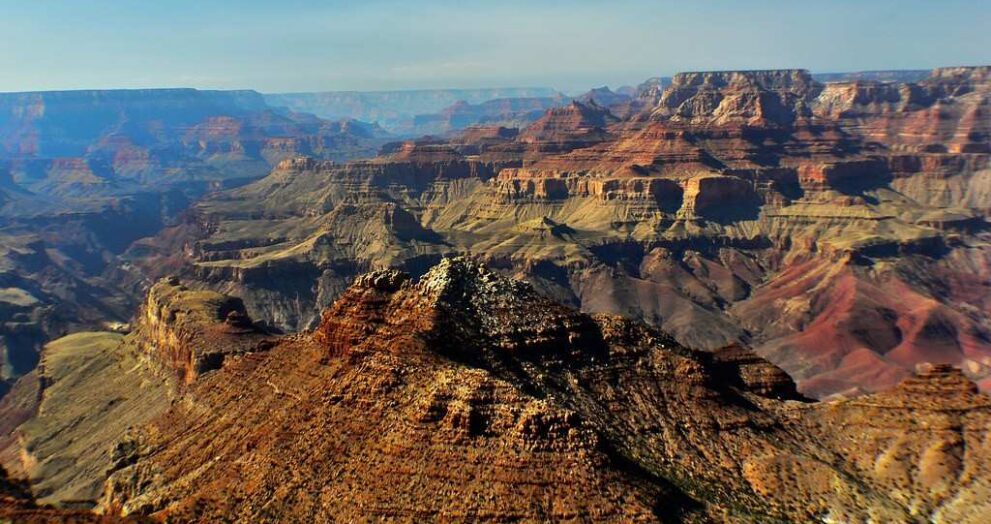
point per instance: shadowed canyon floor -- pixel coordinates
(838, 229)
(469, 396)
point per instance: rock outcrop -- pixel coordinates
(944, 113)
(65, 424)
(190, 332)
(756, 98)
(468, 395)
(570, 127)
(61, 420)
(404, 414)
(921, 441)
(18, 505)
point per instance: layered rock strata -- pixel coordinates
(839, 229)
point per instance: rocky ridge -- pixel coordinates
(396, 110)
(465, 394)
(62, 422)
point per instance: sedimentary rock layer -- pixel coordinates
(839, 229)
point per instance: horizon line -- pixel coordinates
(421, 89)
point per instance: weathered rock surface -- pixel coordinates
(758, 98)
(17, 505)
(466, 395)
(189, 332)
(66, 415)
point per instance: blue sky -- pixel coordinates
(295, 45)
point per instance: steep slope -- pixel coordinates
(89, 389)
(922, 442)
(469, 396)
(17, 505)
(63, 419)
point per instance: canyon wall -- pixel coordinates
(83, 174)
(838, 229)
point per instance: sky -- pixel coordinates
(296, 45)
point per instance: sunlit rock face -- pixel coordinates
(760, 98)
(188, 332)
(465, 393)
(462, 393)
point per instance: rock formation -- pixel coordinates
(756, 98)
(63, 423)
(469, 395)
(658, 284)
(17, 505)
(838, 229)
(189, 332)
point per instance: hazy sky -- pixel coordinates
(294, 45)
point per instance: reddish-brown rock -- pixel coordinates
(467, 395)
(190, 332)
(838, 229)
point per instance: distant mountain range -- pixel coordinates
(393, 108)
(418, 112)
